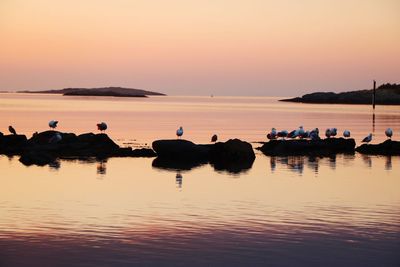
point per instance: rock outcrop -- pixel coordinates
(44, 148)
(233, 156)
(308, 147)
(388, 147)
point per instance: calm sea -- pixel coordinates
(284, 211)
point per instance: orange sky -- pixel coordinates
(220, 47)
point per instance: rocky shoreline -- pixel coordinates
(233, 155)
(386, 94)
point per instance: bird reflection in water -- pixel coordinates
(102, 167)
(293, 163)
(273, 163)
(55, 165)
(367, 160)
(178, 180)
(297, 163)
(388, 163)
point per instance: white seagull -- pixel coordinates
(53, 124)
(389, 133)
(179, 132)
(367, 139)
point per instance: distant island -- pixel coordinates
(103, 91)
(386, 94)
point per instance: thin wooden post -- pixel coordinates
(374, 95)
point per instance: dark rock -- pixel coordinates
(12, 144)
(234, 155)
(45, 147)
(308, 147)
(388, 147)
(44, 138)
(141, 152)
(180, 149)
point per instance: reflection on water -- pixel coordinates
(297, 163)
(102, 167)
(388, 163)
(135, 217)
(179, 179)
(55, 165)
(373, 122)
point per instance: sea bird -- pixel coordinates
(272, 134)
(214, 138)
(314, 134)
(346, 133)
(292, 134)
(179, 132)
(389, 133)
(53, 124)
(367, 139)
(12, 130)
(300, 132)
(101, 126)
(282, 134)
(328, 133)
(333, 132)
(296, 133)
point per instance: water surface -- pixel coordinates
(284, 211)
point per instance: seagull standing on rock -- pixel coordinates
(282, 134)
(389, 133)
(314, 134)
(101, 126)
(179, 132)
(12, 130)
(367, 139)
(272, 134)
(53, 124)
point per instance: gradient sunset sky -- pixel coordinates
(183, 47)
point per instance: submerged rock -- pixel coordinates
(308, 147)
(388, 147)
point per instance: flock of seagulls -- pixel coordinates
(314, 134)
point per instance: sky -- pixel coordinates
(184, 47)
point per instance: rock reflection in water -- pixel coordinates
(297, 163)
(55, 165)
(189, 164)
(102, 167)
